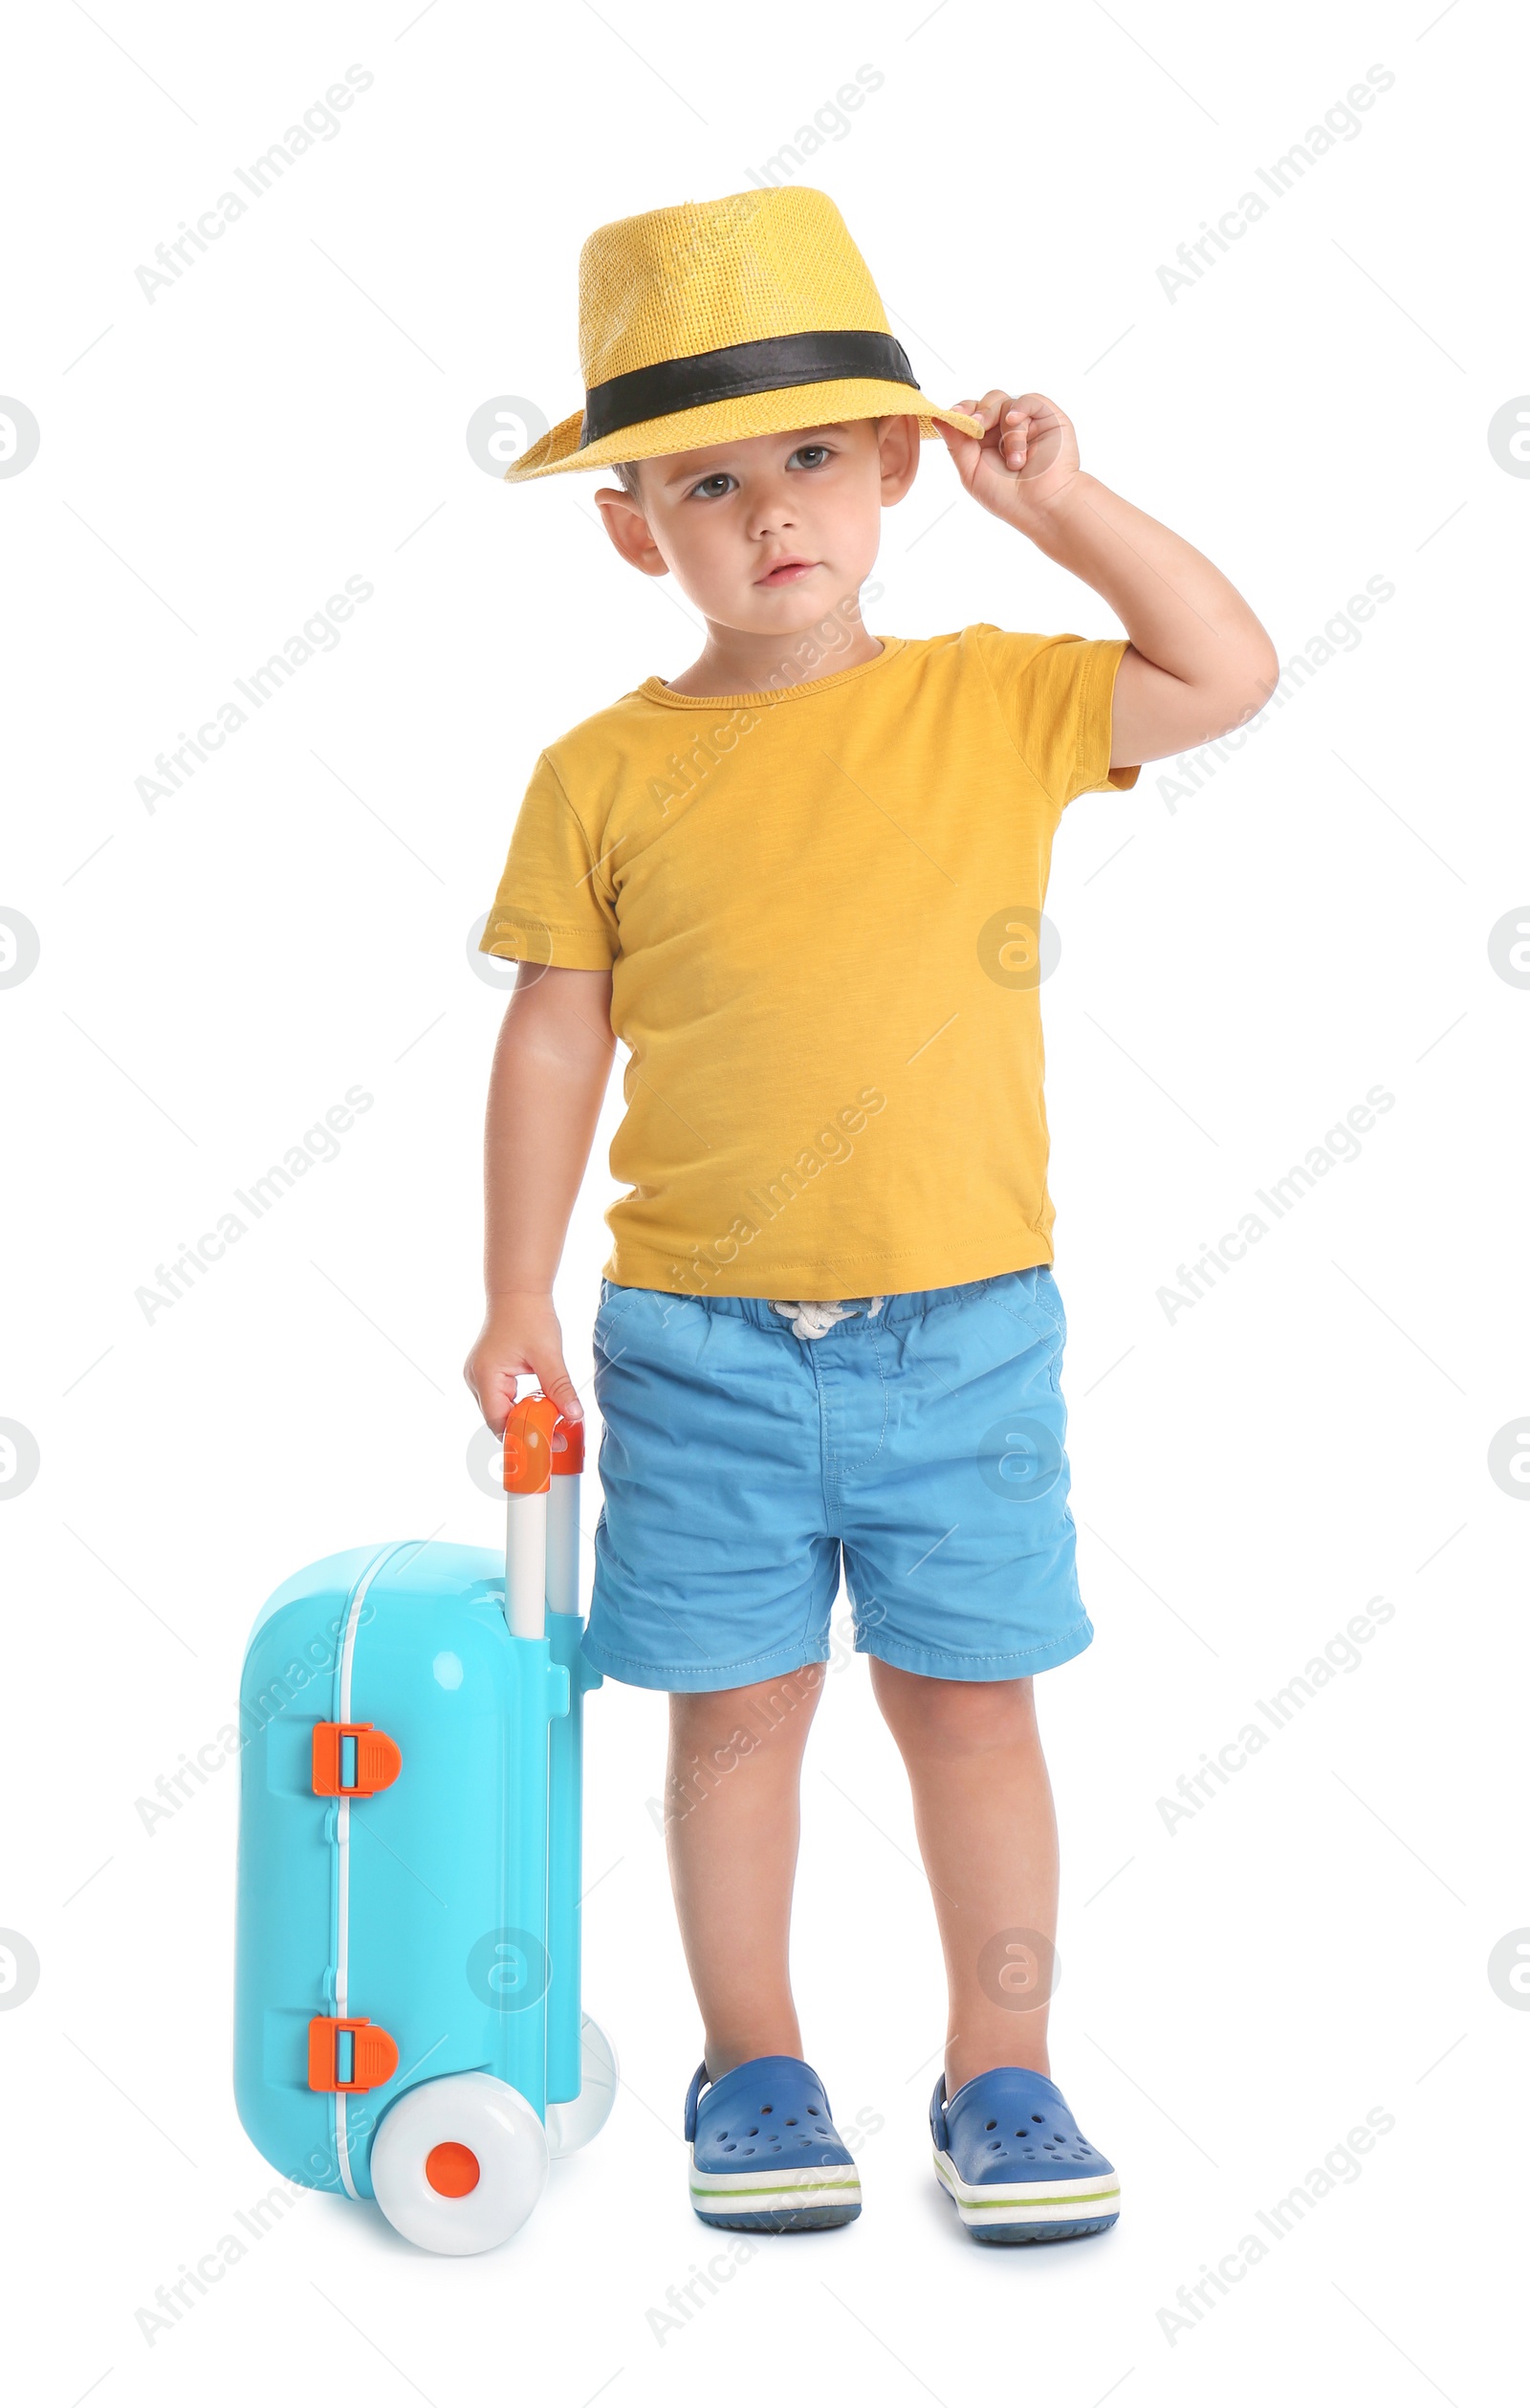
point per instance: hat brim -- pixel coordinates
(729, 421)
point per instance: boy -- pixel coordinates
(802, 882)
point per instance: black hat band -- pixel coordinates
(826, 357)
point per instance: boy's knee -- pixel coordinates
(956, 1718)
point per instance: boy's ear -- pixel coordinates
(898, 442)
(628, 530)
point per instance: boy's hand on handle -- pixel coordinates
(549, 1074)
(520, 1333)
(1027, 458)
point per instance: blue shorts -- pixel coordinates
(737, 1459)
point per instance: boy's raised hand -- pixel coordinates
(520, 1333)
(1196, 660)
(1027, 456)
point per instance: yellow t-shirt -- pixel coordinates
(820, 906)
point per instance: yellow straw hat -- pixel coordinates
(719, 319)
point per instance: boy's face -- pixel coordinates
(768, 533)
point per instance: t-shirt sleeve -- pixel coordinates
(554, 905)
(1054, 694)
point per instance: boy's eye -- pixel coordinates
(811, 455)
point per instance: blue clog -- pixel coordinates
(764, 2154)
(1009, 2154)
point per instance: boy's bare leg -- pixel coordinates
(987, 1835)
(730, 1826)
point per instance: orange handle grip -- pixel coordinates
(528, 1445)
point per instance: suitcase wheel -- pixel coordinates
(572, 2122)
(457, 2166)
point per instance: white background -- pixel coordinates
(1236, 974)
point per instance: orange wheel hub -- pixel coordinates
(451, 2169)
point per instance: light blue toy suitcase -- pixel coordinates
(408, 2023)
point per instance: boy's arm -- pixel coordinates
(1198, 660)
(545, 1089)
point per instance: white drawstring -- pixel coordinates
(814, 1319)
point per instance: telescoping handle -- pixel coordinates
(544, 1456)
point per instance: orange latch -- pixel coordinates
(351, 1759)
(349, 2053)
(528, 1446)
(568, 1445)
